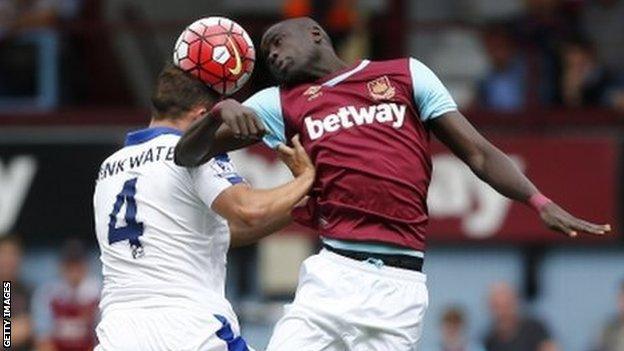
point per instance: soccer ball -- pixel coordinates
(218, 51)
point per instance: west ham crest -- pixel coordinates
(381, 88)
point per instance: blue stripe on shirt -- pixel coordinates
(226, 334)
(367, 247)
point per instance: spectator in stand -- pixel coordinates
(584, 82)
(510, 330)
(504, 88)
(19, 15)
(454, 336)
(10, 263)
(616, 95)
(603, 22)
(613, 333)
(540, 30)
(65, 313)
(29, 47)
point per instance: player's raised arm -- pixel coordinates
(495, 168)
(256, 213)
(228, 126)
(232, 125)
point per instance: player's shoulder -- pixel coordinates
(407, 64)
(158, 150)
(112, 159)
(391, 62)
(160, 142)
(269, 95)
(393, 65)
(403, 69)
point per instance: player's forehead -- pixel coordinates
(271, 33)
(293, 26)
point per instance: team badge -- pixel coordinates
(381, 89)
(223, 168)
(313, 92)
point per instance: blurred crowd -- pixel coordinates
(61, 314)
(513, 329)
(553, 53)
(32, 49)
(57, 315)
(556, 53)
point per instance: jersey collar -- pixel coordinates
(143, 135)
(341, 75)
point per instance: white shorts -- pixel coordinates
(167, 329)
(343, 304)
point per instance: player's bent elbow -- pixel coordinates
(251, 216)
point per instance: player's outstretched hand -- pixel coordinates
(558, 219)
(242, 120)
(296, 158)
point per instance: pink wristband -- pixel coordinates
(537, 201)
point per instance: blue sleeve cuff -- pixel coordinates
(272, 141)
(267, 105)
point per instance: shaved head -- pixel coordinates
(299, 24)
(294, 47)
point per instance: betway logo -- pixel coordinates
(349, 116)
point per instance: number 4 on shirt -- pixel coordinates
(133, 229)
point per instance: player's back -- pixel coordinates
(161, 245)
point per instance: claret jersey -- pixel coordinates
(161, 244)
(365, 129)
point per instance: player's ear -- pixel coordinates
(317, 34)
(198, 112)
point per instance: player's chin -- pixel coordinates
(280, 75)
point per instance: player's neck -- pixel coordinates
(328, 65)
(180, 124)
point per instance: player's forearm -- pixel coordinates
(242, 235)
(264, 212)
(228, 126)
(197, 142)
(265, 205)
(484, 159)
(502, 174)
(206, 139)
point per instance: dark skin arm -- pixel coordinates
(494, 167)
(238, 124)
(229, 126)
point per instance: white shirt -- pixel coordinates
(161, 244)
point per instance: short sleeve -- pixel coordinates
(431, 97)
(266, 103)
(213, 177)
